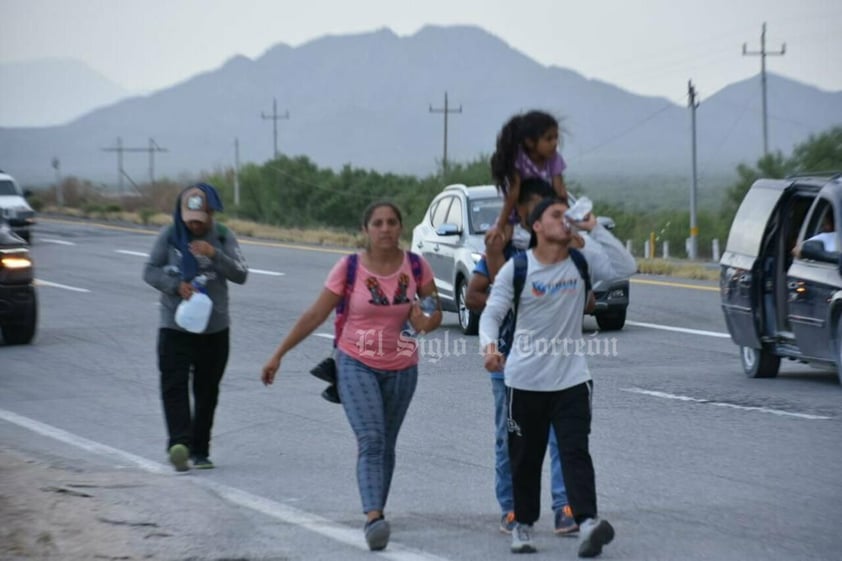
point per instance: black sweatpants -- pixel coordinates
(530, 416)
(179, 354)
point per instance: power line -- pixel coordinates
(275, 118)
(763, 53)
(446, 110)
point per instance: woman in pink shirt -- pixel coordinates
(377, 363)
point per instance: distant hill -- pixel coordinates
(52, 92)
(364, 99)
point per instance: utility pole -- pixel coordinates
(237, 172)
(153, 147)
(275, 118)
(694, 228)
(763, 54)
(120, 149)
(59, 193)
(446, 110)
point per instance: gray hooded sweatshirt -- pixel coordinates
(163, 272)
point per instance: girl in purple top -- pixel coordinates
(527, 146)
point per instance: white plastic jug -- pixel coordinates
(193, 314)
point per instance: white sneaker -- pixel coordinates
(593, 534)
(522, 539)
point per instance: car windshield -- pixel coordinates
(7, 187)
(483, 213)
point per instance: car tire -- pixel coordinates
(611, 321)
(468, 320)
(22, 332)
(759, 363)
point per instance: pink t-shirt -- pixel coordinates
(377, 312)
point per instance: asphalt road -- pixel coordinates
(694, 461)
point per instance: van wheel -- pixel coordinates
(611, 321)
(759, 363)
(468, 320)
(22, 332)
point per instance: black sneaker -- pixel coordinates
(202, 462)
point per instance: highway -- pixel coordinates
(693, 460)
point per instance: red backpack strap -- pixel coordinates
(342, 306)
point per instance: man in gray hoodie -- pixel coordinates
(193, 246)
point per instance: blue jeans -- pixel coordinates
(503, 472)
(375, 402)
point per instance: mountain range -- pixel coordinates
(365, 100)
(50, 92)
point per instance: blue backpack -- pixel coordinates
(509, 325)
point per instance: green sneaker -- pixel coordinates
(178, 457)
(201, 462)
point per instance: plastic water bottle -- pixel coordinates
(428, 305)
(580, 210)
(193, 314)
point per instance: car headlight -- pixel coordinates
(617, 293)
(476, 257)
(15, 262)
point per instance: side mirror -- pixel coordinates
(815, 250)
(448, 230)
(27, 193)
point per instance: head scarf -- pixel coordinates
(182, 235)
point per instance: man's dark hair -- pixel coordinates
(534, 187)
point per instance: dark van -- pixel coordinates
(781, 291)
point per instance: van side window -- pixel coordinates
(821, 221)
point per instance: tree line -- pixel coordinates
(296, 193)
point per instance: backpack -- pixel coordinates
(351, 277)
(507, 328)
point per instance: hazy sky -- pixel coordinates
(645, 46)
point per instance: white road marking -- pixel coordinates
(679, 329)
(59, 242)
(280, 511)
(270, 273)
(136, 253)
(324, 335)
(256, 271)
(42, 282)
(666, 395)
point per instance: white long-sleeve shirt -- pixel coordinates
(548, 352)
(622, 262)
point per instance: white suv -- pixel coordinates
(14, 209)
(451, 237)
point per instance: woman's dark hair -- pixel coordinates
(369, 210)
(531, 125)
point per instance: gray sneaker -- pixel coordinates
(522, 539)
(178, 457)
(377, 534)
(593, 534)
